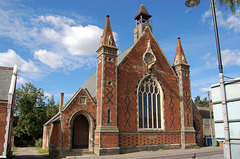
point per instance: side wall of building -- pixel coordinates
(130, 72)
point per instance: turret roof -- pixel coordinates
(107, 38)
(142, 11)
(180, 56)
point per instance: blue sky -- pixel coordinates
(54, 42)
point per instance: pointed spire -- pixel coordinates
(142, 14)
(107, 38)
(180, 56)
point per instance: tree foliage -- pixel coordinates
(32, 110)
(201, 103)
(232, 4)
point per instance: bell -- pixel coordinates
(192, 3)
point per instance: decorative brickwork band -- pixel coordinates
(127, 101)
(109, 95)
(187, 102)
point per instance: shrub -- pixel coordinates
(38, 143)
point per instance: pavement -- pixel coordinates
(202, 153)
(27, 153)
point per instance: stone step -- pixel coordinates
(74, 153)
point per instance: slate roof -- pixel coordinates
(204, 112)
(90, 84)
(5, 80)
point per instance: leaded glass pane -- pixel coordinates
(147, 88)
(140, 110)
(154, 111)
(159, 111)
(151, 88)
(150, 110)
(145, 109)
(142, 88)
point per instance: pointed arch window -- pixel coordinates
(150, 104)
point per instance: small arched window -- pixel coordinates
(149, 104)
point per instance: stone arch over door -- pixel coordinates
(81, 121)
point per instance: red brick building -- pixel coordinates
(8, 80)
(134, 101)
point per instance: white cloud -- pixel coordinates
(230, 57)
(231, 22)
(51, 34)
(57, 21)
(11, 58)
(228, 21)
(48, 95)
(205, 89)
(21, 80)
(49, 42)
(206, 15)
(49, 58)
(81, 40)
(210, 60)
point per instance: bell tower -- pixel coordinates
(182, 70)
(106, 133)
(142, 20)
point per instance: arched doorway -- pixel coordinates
(80, 132)
(196, 126)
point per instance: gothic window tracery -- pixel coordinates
(149, 104)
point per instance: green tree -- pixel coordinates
(32, 110)
(51, 108)
(232, 4)
(201, 103)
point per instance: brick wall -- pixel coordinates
(45, 138)
(110, 140)
(190, 138)
(139, 139)
(109, 98)
(55, 137)
(3, 123)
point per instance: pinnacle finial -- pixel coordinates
(179, 55)
(107, 38)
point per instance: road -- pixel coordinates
(202, 153)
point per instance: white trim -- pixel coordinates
(3, 156)
(9, 108)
